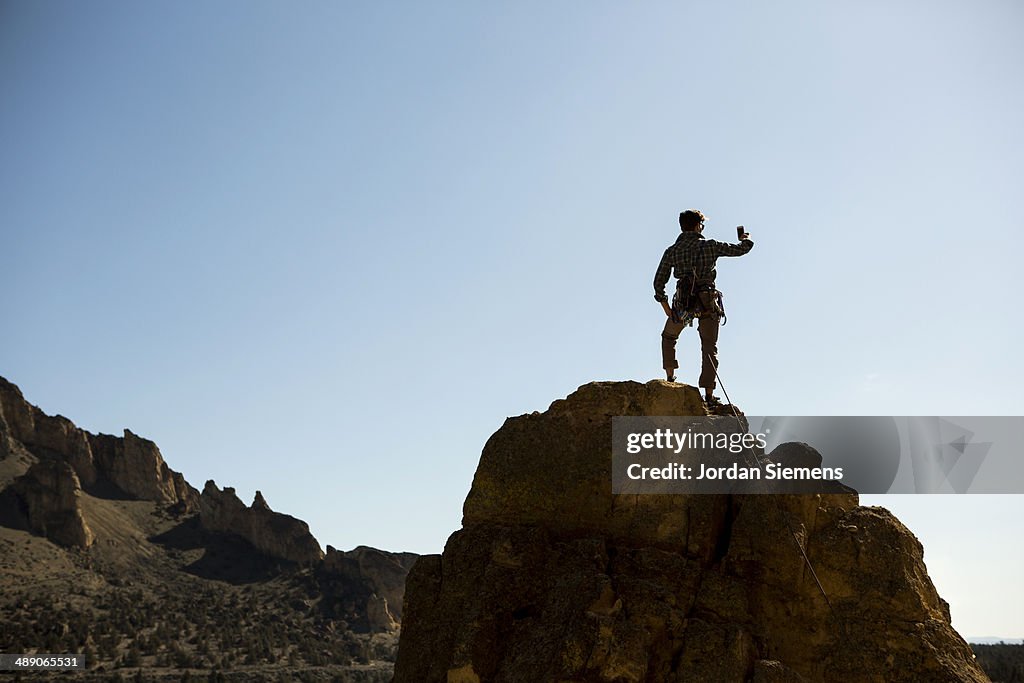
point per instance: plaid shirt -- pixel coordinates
(693, 253)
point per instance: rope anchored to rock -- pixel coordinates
(778, 505)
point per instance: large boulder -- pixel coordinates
(554, 578)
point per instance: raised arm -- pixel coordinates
(726, 249)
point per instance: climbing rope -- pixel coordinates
(778, 505)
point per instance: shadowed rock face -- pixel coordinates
(273, 533)
(47, 498)
(553, 578)
(365, 586)
(131, 464)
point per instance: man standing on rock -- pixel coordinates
(693, 259)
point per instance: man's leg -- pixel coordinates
(668, 347)
(708, 329)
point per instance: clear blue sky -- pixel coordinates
(324, 249)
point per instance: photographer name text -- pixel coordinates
(734, 472)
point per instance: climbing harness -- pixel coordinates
(696, 301)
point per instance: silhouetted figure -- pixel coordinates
(693, 259)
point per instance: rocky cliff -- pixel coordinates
(366, 587)
(272, 533)
(129, 464)
(106, 551)
(46, 500)
(553, 578)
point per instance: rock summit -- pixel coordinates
(554, 578)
